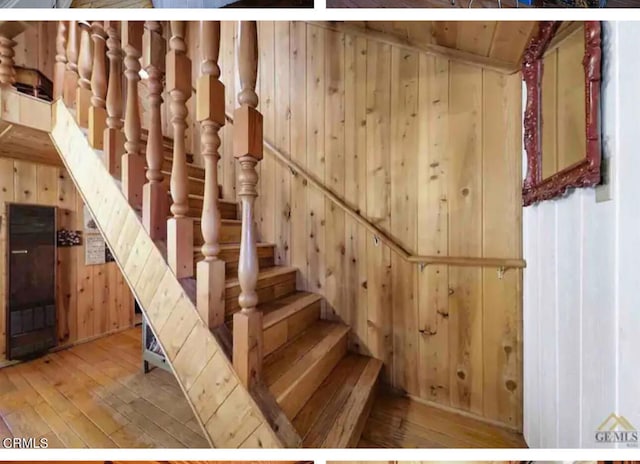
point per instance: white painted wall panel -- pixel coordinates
(582, 284)
(628, 181)
(547, 312)
(569, 317)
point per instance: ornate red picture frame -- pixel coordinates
(586, 172)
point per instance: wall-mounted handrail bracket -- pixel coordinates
(501, 271)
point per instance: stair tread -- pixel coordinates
(224, 221)
(221, 200)
(200, 197)
(282, 367)
(167, 173)
(335, 414)
(282, 308)
(264, 274)
(233, 246)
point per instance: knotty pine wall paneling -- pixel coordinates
(428, 150)
(91, 300)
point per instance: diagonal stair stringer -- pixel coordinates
(225, 409)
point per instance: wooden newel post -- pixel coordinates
(98, 109)
(155, 197)
(247, 147)
(179, 227)
(61, 60)
(210, 108)
(85, 66)
(7, 65)
(113, 136)
(133, 162)
(71, 71)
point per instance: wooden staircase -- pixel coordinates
(325, 391)
(291, 381)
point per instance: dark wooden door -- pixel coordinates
(31, 305)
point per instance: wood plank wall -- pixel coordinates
(91, 300)
(427, 149)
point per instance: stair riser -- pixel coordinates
(229, 233)
(227, 210)
(196, 187)
(267, 291)
(295, 398)
(231, 267)
(280, 333)
(192, 171)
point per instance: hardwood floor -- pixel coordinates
(95, 395)
(397, 422)
(111, 4)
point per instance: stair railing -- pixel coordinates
(7, 64)
(247, 148)
(85, 67)
(180, 226)
(61, 60)
(113, 137)
(99, 100)
(98, 109)
(71, 72)
(133, 162)
(210, 109)
(155, 203)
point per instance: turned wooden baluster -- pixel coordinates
(113, 136)
(61, 60)
(247, 147)
(133, 162)
(210, 113)
(71, 72)
(155, 198)
(85, 65)
(179, 227)
(98, 111)
(7, 65)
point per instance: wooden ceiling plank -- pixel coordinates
(475, 37)
(431, 49)
(511, 39)
(445, 33)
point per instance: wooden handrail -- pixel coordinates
(424, 260)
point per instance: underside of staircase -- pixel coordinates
(314, 393)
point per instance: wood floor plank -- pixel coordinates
(4, 429)
(399, 422)
(95, 395)
(67, 437)
(27, 423)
